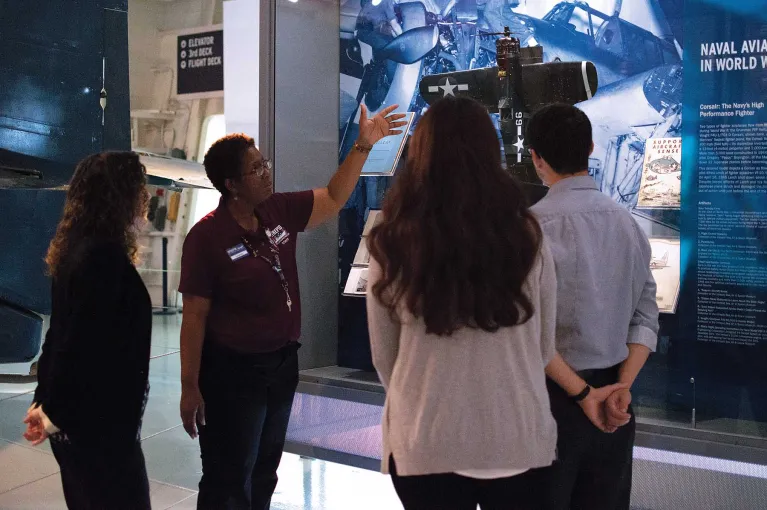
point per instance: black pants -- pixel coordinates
(248, 399)
(98, 479)
(593, 469)
(454, 492)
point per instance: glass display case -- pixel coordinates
(655, 153)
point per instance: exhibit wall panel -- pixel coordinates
(724, 211)
(306, 155)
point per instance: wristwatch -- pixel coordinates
(582, 395)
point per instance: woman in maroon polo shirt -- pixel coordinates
(242, 313)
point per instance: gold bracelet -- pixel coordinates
(364, 149)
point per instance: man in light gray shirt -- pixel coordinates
(607, 316)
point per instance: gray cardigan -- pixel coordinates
(474, 400)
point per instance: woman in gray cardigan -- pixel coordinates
(461, 312)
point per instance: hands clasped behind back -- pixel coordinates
(607, 407)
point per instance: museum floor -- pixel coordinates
(29, 480)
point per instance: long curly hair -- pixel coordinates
(105, 197)
(457, 240)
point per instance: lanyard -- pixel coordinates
(275, 264)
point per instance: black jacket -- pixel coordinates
(94, 368)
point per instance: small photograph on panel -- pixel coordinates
(661, 186)
(362, 282)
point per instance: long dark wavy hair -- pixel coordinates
(457, 240)
(106, 195)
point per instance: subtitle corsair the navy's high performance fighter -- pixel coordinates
(518, 86)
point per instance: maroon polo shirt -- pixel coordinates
(248, 311)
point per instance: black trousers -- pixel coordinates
(454, 492)
(593, 469)
(248, 398)
(99, 479)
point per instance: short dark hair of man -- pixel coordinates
(561, 135)
(224, 160)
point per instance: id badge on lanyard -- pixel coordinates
(274, 263)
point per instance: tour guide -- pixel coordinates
(242, 313)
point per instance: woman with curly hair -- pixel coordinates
(93, 372)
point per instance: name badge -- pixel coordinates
(279, 235)
(237, 252)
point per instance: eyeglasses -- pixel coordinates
(260, 169)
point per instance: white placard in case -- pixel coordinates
(665, 267)
(357, 283)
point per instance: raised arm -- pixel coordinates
(329, 200)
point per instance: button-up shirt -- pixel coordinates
(605, 289)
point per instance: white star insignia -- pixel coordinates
(448, 88)
(520, 145)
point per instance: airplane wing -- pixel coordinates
(479, 84)
(167, 172)
(542, 84)
(24, 171)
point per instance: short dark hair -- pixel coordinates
(561, 135)
(224, 160)
(457, 241)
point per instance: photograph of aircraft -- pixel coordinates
(387, 46)
(666, 165)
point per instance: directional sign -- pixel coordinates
(201, 63)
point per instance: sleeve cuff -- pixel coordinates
(643, 335)
(48, 425)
